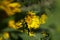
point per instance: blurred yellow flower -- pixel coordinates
(28, 19)
(34, 23)
(6, 35)
(18, 25)
(43, 18)
(15, 7)
(14, 25)
(11, 24)
(7, 10)
(10, 8)
(32, 20)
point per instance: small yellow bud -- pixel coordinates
(31, 34)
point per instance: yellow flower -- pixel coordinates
(18, 25)
(34, 23)
(7, 10)
(32, 20)
(6, 35)
(31, 34)
(14, 25)
(43, 18)
(15, 7)
(11, 24)
(10, 8)
(28, 19)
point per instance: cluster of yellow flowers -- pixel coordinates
(9, 7)
(14, 25)
(34, 21)
(31, 19)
